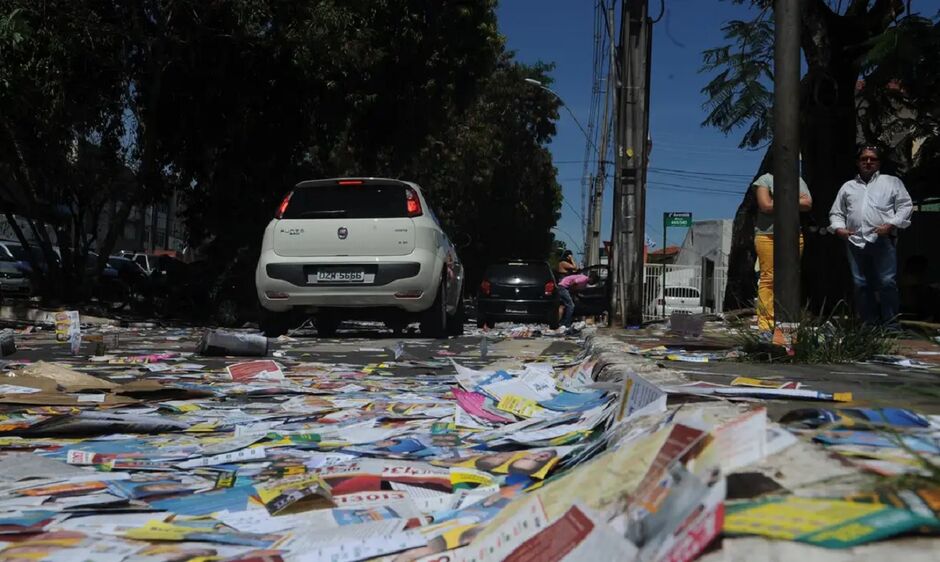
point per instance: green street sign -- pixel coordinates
(677, 219)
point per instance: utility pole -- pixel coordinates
(629, 232)
(595, 214)
(786, 165)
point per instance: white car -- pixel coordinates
(684, 300)
(348, 248)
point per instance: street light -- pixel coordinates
(538, 84)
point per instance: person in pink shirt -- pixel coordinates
(572, 284)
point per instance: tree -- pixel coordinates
(491, 173)
(63, 92)
(229, 104)
(835, 42)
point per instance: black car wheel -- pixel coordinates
(455, 323)
(274, 324)
(434, 319)
(327, 324)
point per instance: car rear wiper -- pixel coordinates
(330, 213)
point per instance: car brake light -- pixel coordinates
(485, 287)
(413, 203)
(350, 182)
(282, 208)
(549, 288)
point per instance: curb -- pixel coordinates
(616, 358)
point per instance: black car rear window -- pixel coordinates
(17, 251)
(347, 201)
(532, 272)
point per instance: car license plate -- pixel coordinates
(338, 276)
(516, 309)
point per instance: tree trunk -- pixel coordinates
(832, 45)
(829, 133)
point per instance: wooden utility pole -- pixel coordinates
(629, 228)
(786, 165)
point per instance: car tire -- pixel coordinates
(434, 319)
(481, 320)
(455, 323)
(327, 323)
(553, 320)
(398, 327)
(274, 324)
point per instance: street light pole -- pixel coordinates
(591, 229)
(538, 84)
(786, 166)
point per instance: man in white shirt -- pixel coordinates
(867, 213)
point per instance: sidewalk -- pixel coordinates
(871, 384)
(22, 312)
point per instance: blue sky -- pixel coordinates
(561, 31)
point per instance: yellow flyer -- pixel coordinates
(522, 407)
(822, 522)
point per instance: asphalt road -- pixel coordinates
(356, 344)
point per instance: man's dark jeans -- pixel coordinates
(874, 271)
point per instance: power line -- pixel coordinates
(699, 172)
(674, 187)
(573, 210)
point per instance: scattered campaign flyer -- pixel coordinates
(324, 450)
(831, 523)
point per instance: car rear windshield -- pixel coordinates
(347, 201)
(534, 272)
(17, 251)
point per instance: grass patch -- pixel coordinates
(836, 338)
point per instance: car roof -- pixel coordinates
(364, 180)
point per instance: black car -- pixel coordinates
(593, 300)
(518, 291)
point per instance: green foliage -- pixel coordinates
(231, 103)
(63, 93)
(835, 338)
(490, 173)
(901, 68)
(740, 94)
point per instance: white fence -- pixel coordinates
(710, 286)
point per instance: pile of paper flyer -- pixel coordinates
(144, 451)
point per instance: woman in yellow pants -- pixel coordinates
(764, 244)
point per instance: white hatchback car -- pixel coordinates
(681, 299)
(349, 248)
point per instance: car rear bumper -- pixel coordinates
(16, 287)
(403, 282)
(506, 309)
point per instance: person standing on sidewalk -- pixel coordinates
(867, 213)
(566, 265)
(764, 244)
